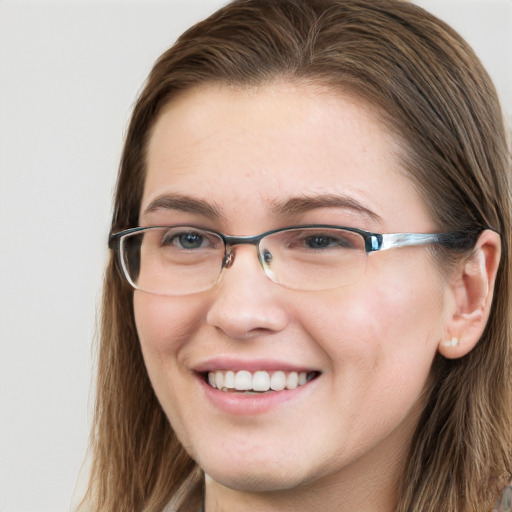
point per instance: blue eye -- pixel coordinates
(188, 240)
(325, 241)
(319, 242)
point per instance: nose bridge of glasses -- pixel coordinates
(231, 241)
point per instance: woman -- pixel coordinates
(363, 363)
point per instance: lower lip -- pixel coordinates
(241, 404)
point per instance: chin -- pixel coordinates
(255, 480)
(264, 475)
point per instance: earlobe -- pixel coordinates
(472, 290)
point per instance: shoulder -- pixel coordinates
(504, 501)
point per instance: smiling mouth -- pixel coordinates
(257, 382)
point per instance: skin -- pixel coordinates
(341, 443)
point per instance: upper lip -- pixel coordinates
(251, 365)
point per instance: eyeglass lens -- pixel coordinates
(182, 260)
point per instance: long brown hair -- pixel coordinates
(429, 88)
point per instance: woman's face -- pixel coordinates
(262, 159)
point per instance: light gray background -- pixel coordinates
(69, 73)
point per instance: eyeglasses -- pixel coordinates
(181, 260)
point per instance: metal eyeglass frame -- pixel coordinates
(461, 240)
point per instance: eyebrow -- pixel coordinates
(184, 204)
(303, 204)
(292, 206)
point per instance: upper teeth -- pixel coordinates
(257, 381)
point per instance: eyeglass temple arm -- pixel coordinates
(464, 239)
(391, 240)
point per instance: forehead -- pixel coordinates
(250, 150)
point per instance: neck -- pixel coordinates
(326, 497)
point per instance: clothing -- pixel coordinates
(504, 501)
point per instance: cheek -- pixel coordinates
(164, 326)
(164, 323)
(380, 336)
(366, 320)
(405, 302)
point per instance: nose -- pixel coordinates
(246, 302)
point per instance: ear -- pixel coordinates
(472, 288)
